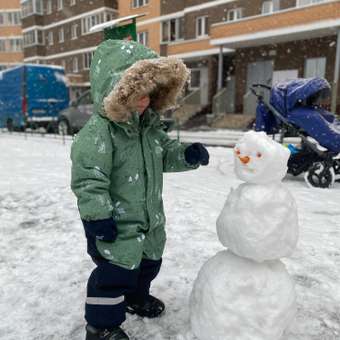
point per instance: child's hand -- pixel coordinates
(196, 153)
(102, 230)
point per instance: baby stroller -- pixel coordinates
(294, 107)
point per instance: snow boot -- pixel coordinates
(151, 308)
(93, 333)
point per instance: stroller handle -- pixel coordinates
(267, 87)
(253, 88)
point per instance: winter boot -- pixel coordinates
(151, 308)
(99, 334)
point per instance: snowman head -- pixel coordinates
(259, 159)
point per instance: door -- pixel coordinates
(200, 80)
(260, 72)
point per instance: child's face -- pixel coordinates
(143, 103)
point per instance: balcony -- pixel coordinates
(187, 49)
(293, 24)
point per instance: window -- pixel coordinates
(49, 7)
(202, 26)
(30, 7)
(139, 3)
(308, 2)
(10, 18)
(11, 45)
(75, 65)
(29, 38)
(61, 35)
(143, 38)
(74, 31)
(85, 99)
(33, 37)
(315, 67)
(2, 45)
(267, 7)
(172, 30)
(87, 58)
(50, 38)
(60, 5)
(235, 14)
(15, 45)
(72, 2)
(92, 20)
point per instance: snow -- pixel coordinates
(44, 267)
(62, 78)
(259, 222)
(259, 159)
(246, 292)
(238, 299)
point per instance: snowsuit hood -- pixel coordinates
(123, 71)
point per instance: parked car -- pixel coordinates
(76, 115)
(32, 96)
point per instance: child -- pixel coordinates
(118, 160)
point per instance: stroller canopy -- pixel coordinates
(289, 99)
(286, 95)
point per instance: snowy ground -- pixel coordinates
(44, 266)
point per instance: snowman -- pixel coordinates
(245, 292)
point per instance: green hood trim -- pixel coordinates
(123, 71)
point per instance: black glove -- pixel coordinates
(196, 154)
(103, 230)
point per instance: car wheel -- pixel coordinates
(64, 127)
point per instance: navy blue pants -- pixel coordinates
(110, 287)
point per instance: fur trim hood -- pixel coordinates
(123, 71)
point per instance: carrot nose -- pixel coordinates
(245, 159)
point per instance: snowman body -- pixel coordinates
(245, 292)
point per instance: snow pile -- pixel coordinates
(246, 293)
(238, 299)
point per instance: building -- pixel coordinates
(58, 32)
(230, 44)
(11, 52)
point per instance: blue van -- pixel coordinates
(32, 95)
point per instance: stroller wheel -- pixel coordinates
(320, 176)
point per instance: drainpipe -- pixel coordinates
(220, 69)
(336, 75)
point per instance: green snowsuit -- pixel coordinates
(118, 158)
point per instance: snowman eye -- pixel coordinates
(259, 154)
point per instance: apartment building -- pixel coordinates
(230, 44)
(58, 32)
(11, 50)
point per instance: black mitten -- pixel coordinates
(103, 230)
(196, 153)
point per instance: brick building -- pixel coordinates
(58, 32)
(10, 34)
(230, 44)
